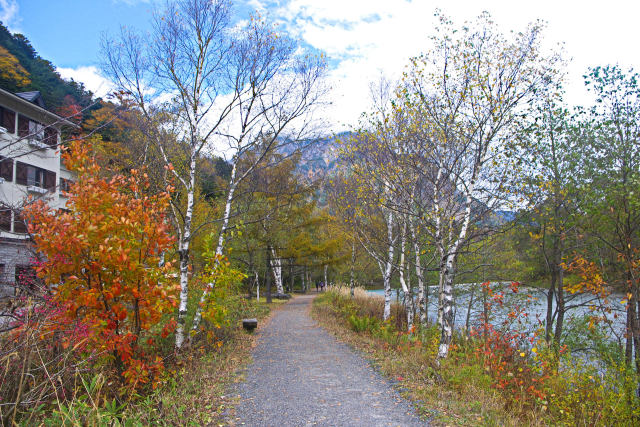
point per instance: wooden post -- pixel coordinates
(268, 274)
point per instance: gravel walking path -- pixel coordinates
(302, 376)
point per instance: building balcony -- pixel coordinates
(36, 189)
(34, 142)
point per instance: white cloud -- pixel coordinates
(9, 14)
(367, 37)
(90, 76)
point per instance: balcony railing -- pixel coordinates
(36, 189)
(34, 142)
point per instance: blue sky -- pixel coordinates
(69, 33)
(363, 38)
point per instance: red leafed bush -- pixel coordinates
(102, 265)
(504, 352)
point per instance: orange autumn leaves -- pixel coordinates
(102, 263)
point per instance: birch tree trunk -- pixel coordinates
(221, 238)
(276, 266)
(447, 322)
(422, 309)
(407, 299)
(448, 275)
(304, 280)
(255, 272)
(352, 280)
(184, 246)
(439, 241)
(388, 268)
(325, 275)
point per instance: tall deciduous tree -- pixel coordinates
(222, 85)
(611, 179)
(552, 159)
(467, 95)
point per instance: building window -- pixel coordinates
(65, 184)
(6, 169)
(34, 130)
(8, 119)
(5, 219)
(51, 137)
(24, 126)
(34, 176)
(19, 224)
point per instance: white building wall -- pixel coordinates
(14, 248)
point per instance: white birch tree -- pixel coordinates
(467, 96)
(226, 87)
(276, 266)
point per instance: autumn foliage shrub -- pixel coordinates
(223, 305)
(582, 393)
(102, 266)
(533, 379)
(505, 351)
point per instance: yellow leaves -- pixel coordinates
(11, 69)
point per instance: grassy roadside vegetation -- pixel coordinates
(482, 382)
(196, 396)
(193, 392)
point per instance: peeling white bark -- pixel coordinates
(407, 299)
(221, 238)
(276, 266)
(184, 243)
(449, 274)
(326, 283)
(421, 311)
(257, 285)
(439, 239)
(352, 280)
(388, 269)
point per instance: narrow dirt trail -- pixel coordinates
(302, 376)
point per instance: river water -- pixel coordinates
(533, 301)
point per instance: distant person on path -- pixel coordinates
(317, 286)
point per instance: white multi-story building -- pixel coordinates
(30, 165)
